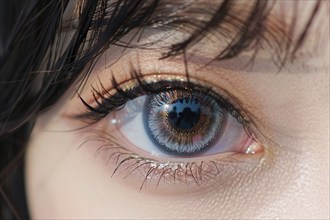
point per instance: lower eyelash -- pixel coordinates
(125, 163)
(169, 172)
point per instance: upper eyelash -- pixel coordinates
(106, 102)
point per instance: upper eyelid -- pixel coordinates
(105, 91)
(235, 102)
(124, 76)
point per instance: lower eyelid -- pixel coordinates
(149, 173)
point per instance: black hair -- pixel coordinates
(47, 46)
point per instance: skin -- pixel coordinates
(289, 180)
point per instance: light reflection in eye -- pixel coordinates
(178, 124)
(183, 122)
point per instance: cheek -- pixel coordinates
(51, 170)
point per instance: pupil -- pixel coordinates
(184, 114)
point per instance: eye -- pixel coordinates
(179, 123)
(168, 129)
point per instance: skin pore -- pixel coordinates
(289, 108)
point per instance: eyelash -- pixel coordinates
(130, 162)
(198, 173)
(106, 102)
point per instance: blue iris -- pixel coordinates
(183, 122)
